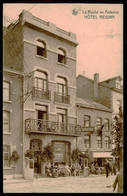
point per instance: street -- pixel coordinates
(78, 184)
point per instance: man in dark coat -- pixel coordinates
(119, 181)
(107, 168)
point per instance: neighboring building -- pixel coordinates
(96, 122)
(109, 92)
(44, 59)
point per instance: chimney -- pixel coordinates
(96, 81)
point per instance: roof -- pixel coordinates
(89, 103)
(116, 77)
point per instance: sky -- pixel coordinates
(100, 35)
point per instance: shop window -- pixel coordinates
(41, 48)
(61, 56)
(6, 91)
(86, 121)
(6, 121)
(6, 156)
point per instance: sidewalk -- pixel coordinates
(16, 180)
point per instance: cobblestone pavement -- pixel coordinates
(91, 184)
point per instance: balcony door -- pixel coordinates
(42, 117)
(62, 119)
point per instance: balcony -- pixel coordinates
(49, 127)
(58, 97)
(41, 93)
(87, 130)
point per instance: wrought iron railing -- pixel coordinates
(35, 125)
(41, 93)
(58, 97)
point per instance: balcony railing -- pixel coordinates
(41, 93)
(43, 126)
(61, 98)
(88, 130)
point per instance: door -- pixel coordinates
(36, 146)
(42, 120)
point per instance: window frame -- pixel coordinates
(87, 120)
(99, 142)
(9, 154)
(61, 56)
(43, 80)
(4, 99)
(107, 142)
(98, 123)
(63, 86)
(41, 48)
(87, 141)
(106, 125)
(118, 84)
(8, 119)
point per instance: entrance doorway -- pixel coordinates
(36, 146)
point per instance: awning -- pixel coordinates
(102, 155)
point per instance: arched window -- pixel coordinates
(41, 48)
(61, 56)
(41, 80)
(61, 85)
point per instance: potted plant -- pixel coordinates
(14, 158)
(47, 156)
(76, 153)
(29, 154)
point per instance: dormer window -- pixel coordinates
(61, 56)
(118, 84)
(41, 48)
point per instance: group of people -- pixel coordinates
(62, 169)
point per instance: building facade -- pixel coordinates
(44, 57)
(95, 120)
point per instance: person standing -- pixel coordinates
(107, 168)
(119, 181)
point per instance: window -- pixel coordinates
(119, 103)
(98, 123)
(61, 86)
(87, 141)
(107, 142)
(118, 84)
(6, 156)
(6, 121)
(99, 142)
(6, 91)
(61, 115)
(41, 81)
(86, 121)
(61, 56)
(41, 48)
(106, 124)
